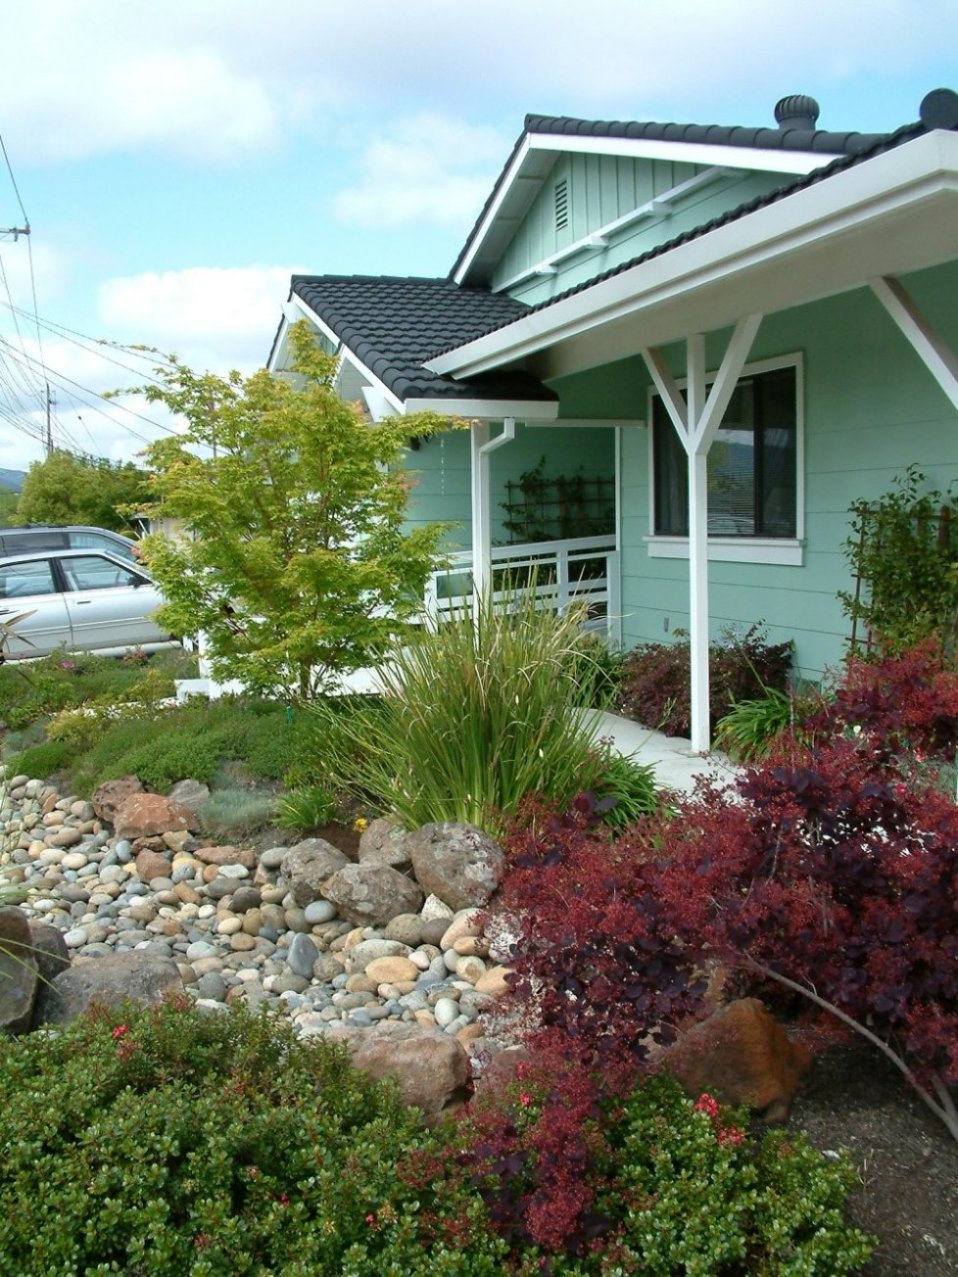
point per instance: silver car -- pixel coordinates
(79, 600)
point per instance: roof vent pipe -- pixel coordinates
(797, 111)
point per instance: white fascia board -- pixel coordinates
(759, 159)
(849, 200)
(383, 393)
(492, 212)
(767, 160)
(527, 410)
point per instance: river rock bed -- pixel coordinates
(285, 926)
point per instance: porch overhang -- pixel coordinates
(893, 214)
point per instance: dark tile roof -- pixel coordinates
(777, 139)
(816, 140)
(883, 142)
(393, 325)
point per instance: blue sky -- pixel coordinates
(179, 160)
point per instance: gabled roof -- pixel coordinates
(393, 325)
(796, 146)
(877, 145)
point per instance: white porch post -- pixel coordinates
(698, 546)
(481, 446)
(696, 419)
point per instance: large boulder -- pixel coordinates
(49, 951)
(458, 863)
(18, 972)
(741, 1055)
(109, 797)
(431, 1068)
(191, 793)
(307, 865)
(372, 895)
(149, 815)
(383, 842)
(138, 975)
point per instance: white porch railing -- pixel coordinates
(582, 570)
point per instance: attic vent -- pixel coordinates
(562, 204)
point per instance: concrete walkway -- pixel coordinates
(676, 767)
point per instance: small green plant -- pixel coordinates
(474, 717)
(307, 808)
(625, 788)
(904, 551)
(751, 728)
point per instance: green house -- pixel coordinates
(735, 332)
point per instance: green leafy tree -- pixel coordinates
(294, 559)
(65, 488)
(8, 508)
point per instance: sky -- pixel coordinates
(177, 161)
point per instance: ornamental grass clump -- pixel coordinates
(473, 717)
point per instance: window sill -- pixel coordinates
(783, 552)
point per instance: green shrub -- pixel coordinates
(655, 682)
(171, 755)
(651, 1182)
(169, 1143)
(40, 760)
(474, 717)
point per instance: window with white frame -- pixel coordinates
(753, 464)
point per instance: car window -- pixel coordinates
(20, 579)
(97, 541)
(26, 542)
(94, 572)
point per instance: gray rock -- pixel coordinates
(407, 928)
(307, 865)
(211, 986)
(301, 955)
(18, 972)
(191, 793)
(140, 975)
(372, 894)
(383, 842)
(456, 862)
(319, 911)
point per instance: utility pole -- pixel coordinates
(50, 403)
(15, 231)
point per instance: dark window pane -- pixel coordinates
(751, 468)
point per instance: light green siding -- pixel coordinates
(870, 408)
(601, 189)
(440, 470)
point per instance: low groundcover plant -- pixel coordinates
(166, 1142)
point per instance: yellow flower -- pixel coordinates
(361, 824)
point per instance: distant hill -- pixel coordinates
(12, 480)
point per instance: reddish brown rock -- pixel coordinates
(109, 797)
(226, 856)
(150, 816)
(741, 1055)
(150, 865)
(431, 1067)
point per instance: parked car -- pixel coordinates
(39, 536)
(80, 600)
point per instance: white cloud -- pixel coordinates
(210, 317)
(425, 169)
(226, 78)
